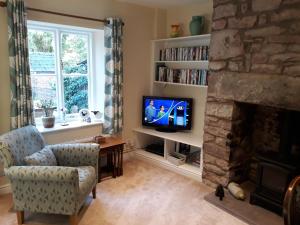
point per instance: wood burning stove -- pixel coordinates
(276, 170)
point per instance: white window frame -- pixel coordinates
(57, 30)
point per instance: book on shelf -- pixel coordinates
(182, 76)
(197, 53)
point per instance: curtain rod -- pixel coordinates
(3, 4)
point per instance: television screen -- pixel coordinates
(172, 113)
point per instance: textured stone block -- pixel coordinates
(290, 1)
(286, 14)
(214, 169)
(226, 44)
(257, 88)
(219, 110)
(273, 48)
(224, 124)
(216, 131)
(286, 38)
(266, 68)
(241, 23)
(285, 57)
(218, 2)
(208, 138)
(258, 58)
(294, 48)
(217, 65)
(217, 161)
(219, 24)
(217, 151)
(222, 11)
(265, 5)
(295, 27)
(262, 19)
(266, 31)
(213, 178)
(292, 70)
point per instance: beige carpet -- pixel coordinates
(145, 195)
(251, 214)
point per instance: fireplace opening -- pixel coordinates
(265, 149)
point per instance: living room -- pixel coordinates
(191, 107)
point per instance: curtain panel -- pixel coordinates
(20, 84)
(113, 106)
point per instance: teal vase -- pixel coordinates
(197, 25)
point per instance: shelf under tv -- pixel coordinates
(185, 169)
(182, 137)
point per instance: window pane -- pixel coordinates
(41, 52)
(43, 88)
(75, 93)
(74, 53)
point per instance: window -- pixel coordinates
(63, 69)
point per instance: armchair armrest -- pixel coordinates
(42, 173)
(45, 189)
(76, 154)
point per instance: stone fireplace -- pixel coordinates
(254, 82)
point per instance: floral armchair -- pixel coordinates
(59, 189)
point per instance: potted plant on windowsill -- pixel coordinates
(48, 107)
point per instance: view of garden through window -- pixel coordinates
(59, 68)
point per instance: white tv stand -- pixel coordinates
(146, 136)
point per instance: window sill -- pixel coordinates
(72, 125)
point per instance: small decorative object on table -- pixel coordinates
(197, 25)
(175, 30)
(85, 115)
(97, 115)
(220, 192)
(236, 191)
(64, 112)
(48, 107)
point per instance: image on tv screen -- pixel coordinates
(166, 112)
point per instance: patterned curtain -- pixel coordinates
(20, 85)
(113, 111)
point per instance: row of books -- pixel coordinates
(182, 76)
(184, 54)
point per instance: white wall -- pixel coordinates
(183, 15)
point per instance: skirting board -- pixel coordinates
(169, 166)
(6, 189)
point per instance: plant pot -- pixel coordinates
(48, 122)
(197, 25)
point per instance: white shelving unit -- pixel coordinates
(146, 136)
(190, 41)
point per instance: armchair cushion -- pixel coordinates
(45, 157)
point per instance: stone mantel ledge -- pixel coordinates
(263, 89)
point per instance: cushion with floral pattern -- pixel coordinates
(45, 157)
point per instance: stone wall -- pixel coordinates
(254, 58)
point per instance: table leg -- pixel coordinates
(114, 163)
(99, 169)
(121, 167)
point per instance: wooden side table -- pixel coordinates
(113, 150)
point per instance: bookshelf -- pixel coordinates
(198, 92)
(182, 61)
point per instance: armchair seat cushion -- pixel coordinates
(45, 157)
(87, 178)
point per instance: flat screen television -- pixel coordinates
(167, 114)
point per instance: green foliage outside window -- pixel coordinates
(76, 94)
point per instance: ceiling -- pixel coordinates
(162, 3)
